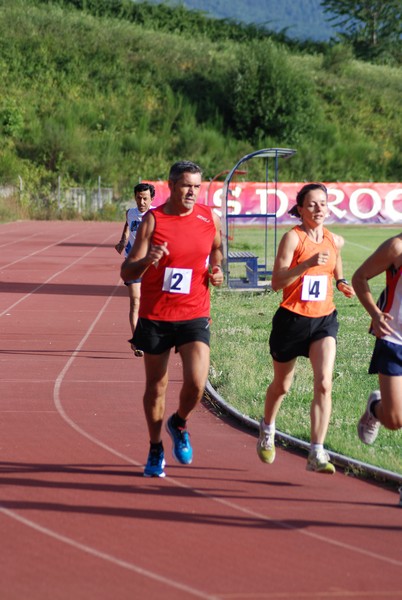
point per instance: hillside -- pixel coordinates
(87, 94)
(301, 19)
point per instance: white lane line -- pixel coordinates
(38, 287)
(59, 381)
(88, 549)
(71, 542)
(104, 556)
(20, 240)
(227, 503)
(284, 525)
(232, 505)
(6, 266)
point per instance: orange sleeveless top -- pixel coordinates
(311, 295)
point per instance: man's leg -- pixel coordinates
(134, 292)
(195, 359)
(156, 375)
(389, 409)
(384, 407)
(156, 372)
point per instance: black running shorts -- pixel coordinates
(292, 334)
(155, 337)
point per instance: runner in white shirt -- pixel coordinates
(144, 193)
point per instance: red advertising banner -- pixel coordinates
(354, 203)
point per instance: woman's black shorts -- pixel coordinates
(292, 334)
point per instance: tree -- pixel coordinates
(372, 26)
(269, 98)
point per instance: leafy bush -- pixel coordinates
(337, 58)
(269, 98)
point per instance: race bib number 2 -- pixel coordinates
(314, 288)
(177, 281)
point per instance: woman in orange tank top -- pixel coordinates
(305, 324)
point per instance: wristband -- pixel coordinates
(338, 281)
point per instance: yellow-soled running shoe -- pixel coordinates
(318, 461)
(266, 445)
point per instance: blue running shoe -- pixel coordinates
(182, 450)
(155, 464)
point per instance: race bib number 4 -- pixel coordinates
(177, 281)
(314, 288)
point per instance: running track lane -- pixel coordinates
(78, 520)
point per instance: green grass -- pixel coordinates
(241, 366)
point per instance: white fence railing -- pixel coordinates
(81, 199)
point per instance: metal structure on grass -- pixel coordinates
(256, 267)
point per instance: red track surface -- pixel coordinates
(78, 520)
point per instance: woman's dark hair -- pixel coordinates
(301, 194)
(144, 187)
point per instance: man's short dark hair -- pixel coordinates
(183, 166)
(144, 187)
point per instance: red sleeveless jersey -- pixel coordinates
(177, 289)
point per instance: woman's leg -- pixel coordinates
(322, 358)
(278, 388)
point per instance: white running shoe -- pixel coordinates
(266, 445)
(368, 426)
(318, 461)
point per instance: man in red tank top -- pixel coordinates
(177, 253)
